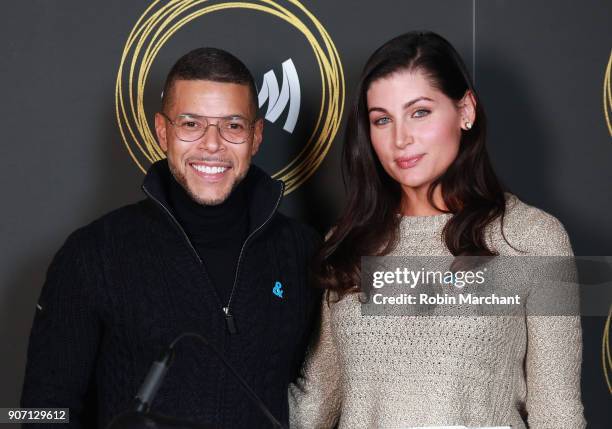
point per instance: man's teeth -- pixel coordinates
(209, 170)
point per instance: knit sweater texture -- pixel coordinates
(122, 288)
(414, 371)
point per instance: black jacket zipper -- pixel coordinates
(231, 325)
(229, 318)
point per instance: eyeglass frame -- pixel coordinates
(208, 124)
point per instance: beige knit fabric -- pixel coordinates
(405, 372)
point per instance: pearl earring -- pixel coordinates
(468, 125)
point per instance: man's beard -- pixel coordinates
(182, 180)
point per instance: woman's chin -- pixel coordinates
(415, 182)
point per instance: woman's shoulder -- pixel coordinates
(533, 230)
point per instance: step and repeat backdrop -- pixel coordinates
(82, 80)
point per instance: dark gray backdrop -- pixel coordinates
(539, 68)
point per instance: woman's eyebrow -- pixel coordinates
(416, 100)
(405, 106)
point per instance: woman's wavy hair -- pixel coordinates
(369, 223)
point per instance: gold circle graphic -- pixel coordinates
(162, 19)
(606, 355)
(607, 96)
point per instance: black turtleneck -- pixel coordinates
(217, 232)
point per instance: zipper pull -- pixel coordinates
(229, 320)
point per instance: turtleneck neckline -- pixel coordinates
(211, 225)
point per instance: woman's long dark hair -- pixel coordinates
(369, 223)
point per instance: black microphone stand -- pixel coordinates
(140, 418)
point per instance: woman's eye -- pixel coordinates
(420, 113)
(382, 121)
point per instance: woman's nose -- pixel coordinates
(403, 135)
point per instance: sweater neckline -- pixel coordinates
(221, 225)
(425, 223)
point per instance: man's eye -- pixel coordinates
(190, 125)
(235, 126)
(382, 121)
(420, 113)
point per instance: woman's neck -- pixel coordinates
(416, 203)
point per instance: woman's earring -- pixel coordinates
(468, 125)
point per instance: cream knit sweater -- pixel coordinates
(405, 372)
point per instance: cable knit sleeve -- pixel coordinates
(64, 338)
(315, 398)
(554, 348)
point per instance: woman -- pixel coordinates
(420, 182)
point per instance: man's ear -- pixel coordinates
(467, 108)
(160, 130)
(257, 135)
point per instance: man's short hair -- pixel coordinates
(211, 64)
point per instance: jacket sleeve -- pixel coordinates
(315, 397)
(64, 338)
(310, 243)
(554, 348)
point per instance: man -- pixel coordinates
(205, 252)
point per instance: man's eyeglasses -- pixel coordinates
(233, 129)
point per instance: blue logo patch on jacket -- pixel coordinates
(278, 289)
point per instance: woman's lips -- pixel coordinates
(408, 162)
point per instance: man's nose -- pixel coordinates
(211, 140)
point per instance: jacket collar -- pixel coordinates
(263, 192)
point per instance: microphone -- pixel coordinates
(153, 382)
